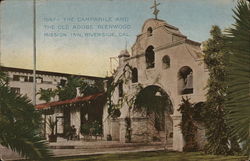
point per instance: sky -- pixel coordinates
(79, 36)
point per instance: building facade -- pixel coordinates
(72, 112)
(21, 81)
(165, 63)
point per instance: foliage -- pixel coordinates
(238, 97)
(85, 128)
(47, 94)
(188, 126)
(217, 130)
(69, 90)
(114, 108)
(19, 125)
(88, 89)
(151, 102)
(3, 78)
(114, 112)
(148, 101)
(97, 128)
(91, 128)
(99, 84)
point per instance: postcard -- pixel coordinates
(109, 76)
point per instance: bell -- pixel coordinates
(189, 81)
(188, 84)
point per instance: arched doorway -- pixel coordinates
(153, 103)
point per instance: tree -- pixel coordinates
(188, 126)
(87, 89)
(217, 130)
(69, 90)
(3, 78)
(46, 94)
(238, 97)
(19, 124)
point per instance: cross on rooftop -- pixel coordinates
(156, 11)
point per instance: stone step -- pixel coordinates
(120, 145)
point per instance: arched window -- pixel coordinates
(134, 75)
(165, 62)
(120, 88)
(149, 31)
(185, 80)
(150, 57)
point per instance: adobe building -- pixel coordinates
(79, 111)
(21, 80)
(76, 111)
(163, 63)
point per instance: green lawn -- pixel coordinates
(154, 156)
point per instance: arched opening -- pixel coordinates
(149, 31)
(134, 75)
(155, 105)
(150, 57)
(165, 62)
(185, 80)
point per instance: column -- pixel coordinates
(178, 141)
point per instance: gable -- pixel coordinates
(156, 33)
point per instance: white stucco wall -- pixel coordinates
(166, 40)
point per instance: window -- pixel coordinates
(134, 75)
(15, 90)
(62, 82)
(120, 88)
(150, 57)
(16, 77)
(30, 79)
(39, 79)
(149, 31)
(185, 82)
(165, 62)
(25, 78)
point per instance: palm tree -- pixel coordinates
(238, 97)
(19, 124)
(3, 78)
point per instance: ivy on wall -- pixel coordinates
(188, 126)
(150, 101)
(114, 107)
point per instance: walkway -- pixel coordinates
(76, 148)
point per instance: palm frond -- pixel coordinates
(19, 125)
(238, 95)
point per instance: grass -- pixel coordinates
(154, 156)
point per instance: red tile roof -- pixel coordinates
(74, 100)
